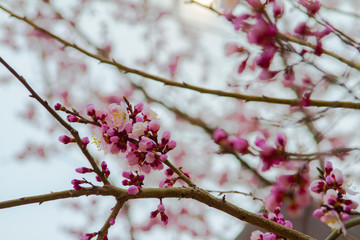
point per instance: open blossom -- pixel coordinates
(271, 156)
(336, 207)
(118, 116)
(274, 216)
(160, 209)
(134, 132)
(292, 189)
(139, 129)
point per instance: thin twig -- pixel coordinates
(73, 131)
(237, 192)
(104, 230)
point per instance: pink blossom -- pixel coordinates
(103, 165)
(171, 145)
(146, 144)
(149, 114)
(311, 6)
(257, 235)
(85, 141)
(336, 174)
(330, 197)
(164, 218)
(65, 139)
(118, 116)
(139, 129)
(133, 158)
(150, 157)
(58, 107)
(87, 236)
(332, 219)
(154, 126)
(112, 221)
(262, 33)
(161, 208)
(266, 57)
(165, 138)
(278, 10)
(238, 22)
(83, 170)
(72, 118)
(305, 100)
(267, 75)
(133, 190)
(115, 149)
(138, 108)
(242, 65)
(127, 174)
(232, 48)
(256, 4)
(219, 135)
(238, 144)
(169, 172)
(318, 186)
(163, 157)
(90, 110)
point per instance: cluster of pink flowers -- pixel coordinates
(275, 216)
(82, 170)
(290, 189)
(260, 32)
(270, 156)
(170, 180)
(336, 207)
(160, 209)
(238, 144)
(135, 181)
(133, 131)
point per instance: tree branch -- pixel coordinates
(104, 230)
(73, 132)
(172, 192)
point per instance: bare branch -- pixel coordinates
(73, 131)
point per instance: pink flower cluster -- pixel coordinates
(336, 207)
(134, 132)
(160, 209)
(170, 181)
(82, 170)
(238, 144)
(271, 156)
(275, 216)
(135, 181)
(292, 189)
(260, 32)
